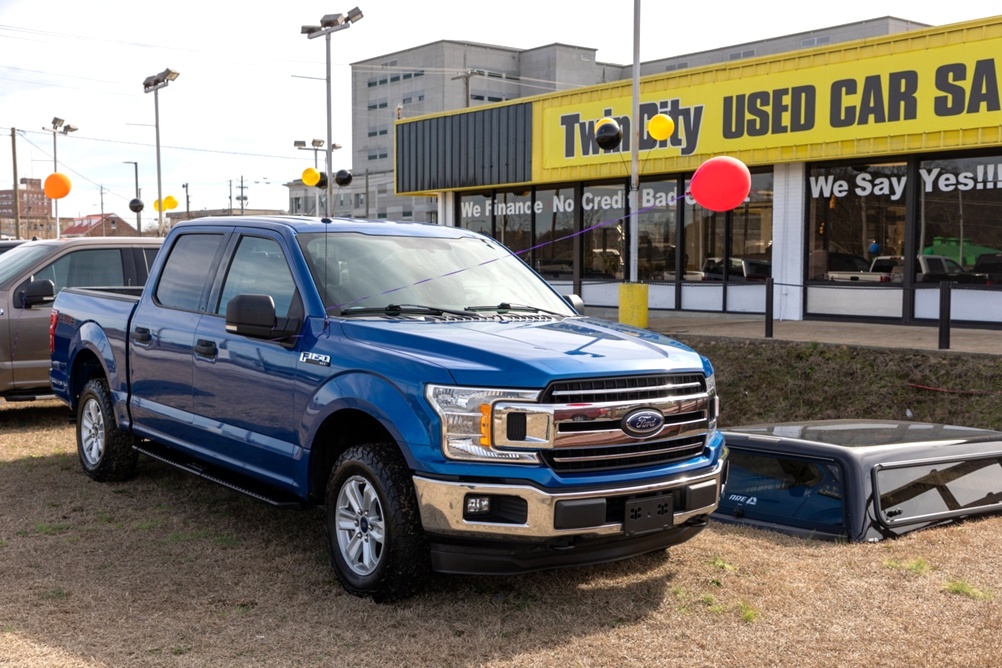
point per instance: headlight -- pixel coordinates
(714, 400)
(466, 414)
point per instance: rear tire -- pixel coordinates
(105, 451)
(373, 525)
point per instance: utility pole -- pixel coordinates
(241, 197)
(139, 220)
(104, 231)
(467, 75)
(187, 202)
(17, 193)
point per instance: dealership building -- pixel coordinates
(859, 146)
(874, 139)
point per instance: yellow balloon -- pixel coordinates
(311, 177)
(170, 202)
(156, 205)
(661, 126)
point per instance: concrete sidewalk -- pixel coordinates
(916, 337)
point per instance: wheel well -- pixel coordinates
(339, 432)
(86, 366)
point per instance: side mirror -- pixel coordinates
(39, 291)
(254, 316)
(575, 303)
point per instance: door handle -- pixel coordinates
(206, 348)
(141, 335)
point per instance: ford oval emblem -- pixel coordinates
(643, 422)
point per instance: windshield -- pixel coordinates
(16, 260)
(357, 271)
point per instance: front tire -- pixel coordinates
(105, 451)
(373, 526)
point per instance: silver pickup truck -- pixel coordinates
(30, 276)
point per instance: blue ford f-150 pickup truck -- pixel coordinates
(444, 404)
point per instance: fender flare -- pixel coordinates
(393, 407)
(91, 337)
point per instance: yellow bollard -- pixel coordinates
(633, 304)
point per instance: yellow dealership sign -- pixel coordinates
(919, 91)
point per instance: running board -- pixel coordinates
(229, 480)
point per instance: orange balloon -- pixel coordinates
(57, 186)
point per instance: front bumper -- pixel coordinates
(536, 528)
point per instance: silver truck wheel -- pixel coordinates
(105, 451)
(91, 432)
(361, 528)
(378, 547)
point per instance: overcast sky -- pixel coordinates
(250, 84)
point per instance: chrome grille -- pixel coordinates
(580, 425)
(625, 388)
(581, 460)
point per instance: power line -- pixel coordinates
(177, 148)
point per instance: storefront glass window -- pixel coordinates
(554, 257)
(603, 208)
(959, 219)
(749, 228)
(657, 221)
(704, 240)
(513, 219)
(475, 213)
(856, 214)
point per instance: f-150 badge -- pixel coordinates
(315, 358)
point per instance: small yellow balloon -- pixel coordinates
(660, 127)
(156, 205)
(170, 202)
(311, 177)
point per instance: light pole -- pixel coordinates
(317, 144)
(329, 24)
(153, 84)
(57, 127)
(139, 220)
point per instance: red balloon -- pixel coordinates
(720, 183)
(57, 186)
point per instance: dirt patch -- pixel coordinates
(169, 570)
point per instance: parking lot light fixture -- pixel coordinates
(58, 126)
(330, 23)
(153, 84)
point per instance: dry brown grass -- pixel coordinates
(168, 570)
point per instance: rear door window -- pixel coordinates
(185, 274)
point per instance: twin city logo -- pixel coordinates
(579, 134)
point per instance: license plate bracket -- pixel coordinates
(650, 513)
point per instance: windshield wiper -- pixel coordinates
(505, 307)
(399, 309)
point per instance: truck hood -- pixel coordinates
(528, 352)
